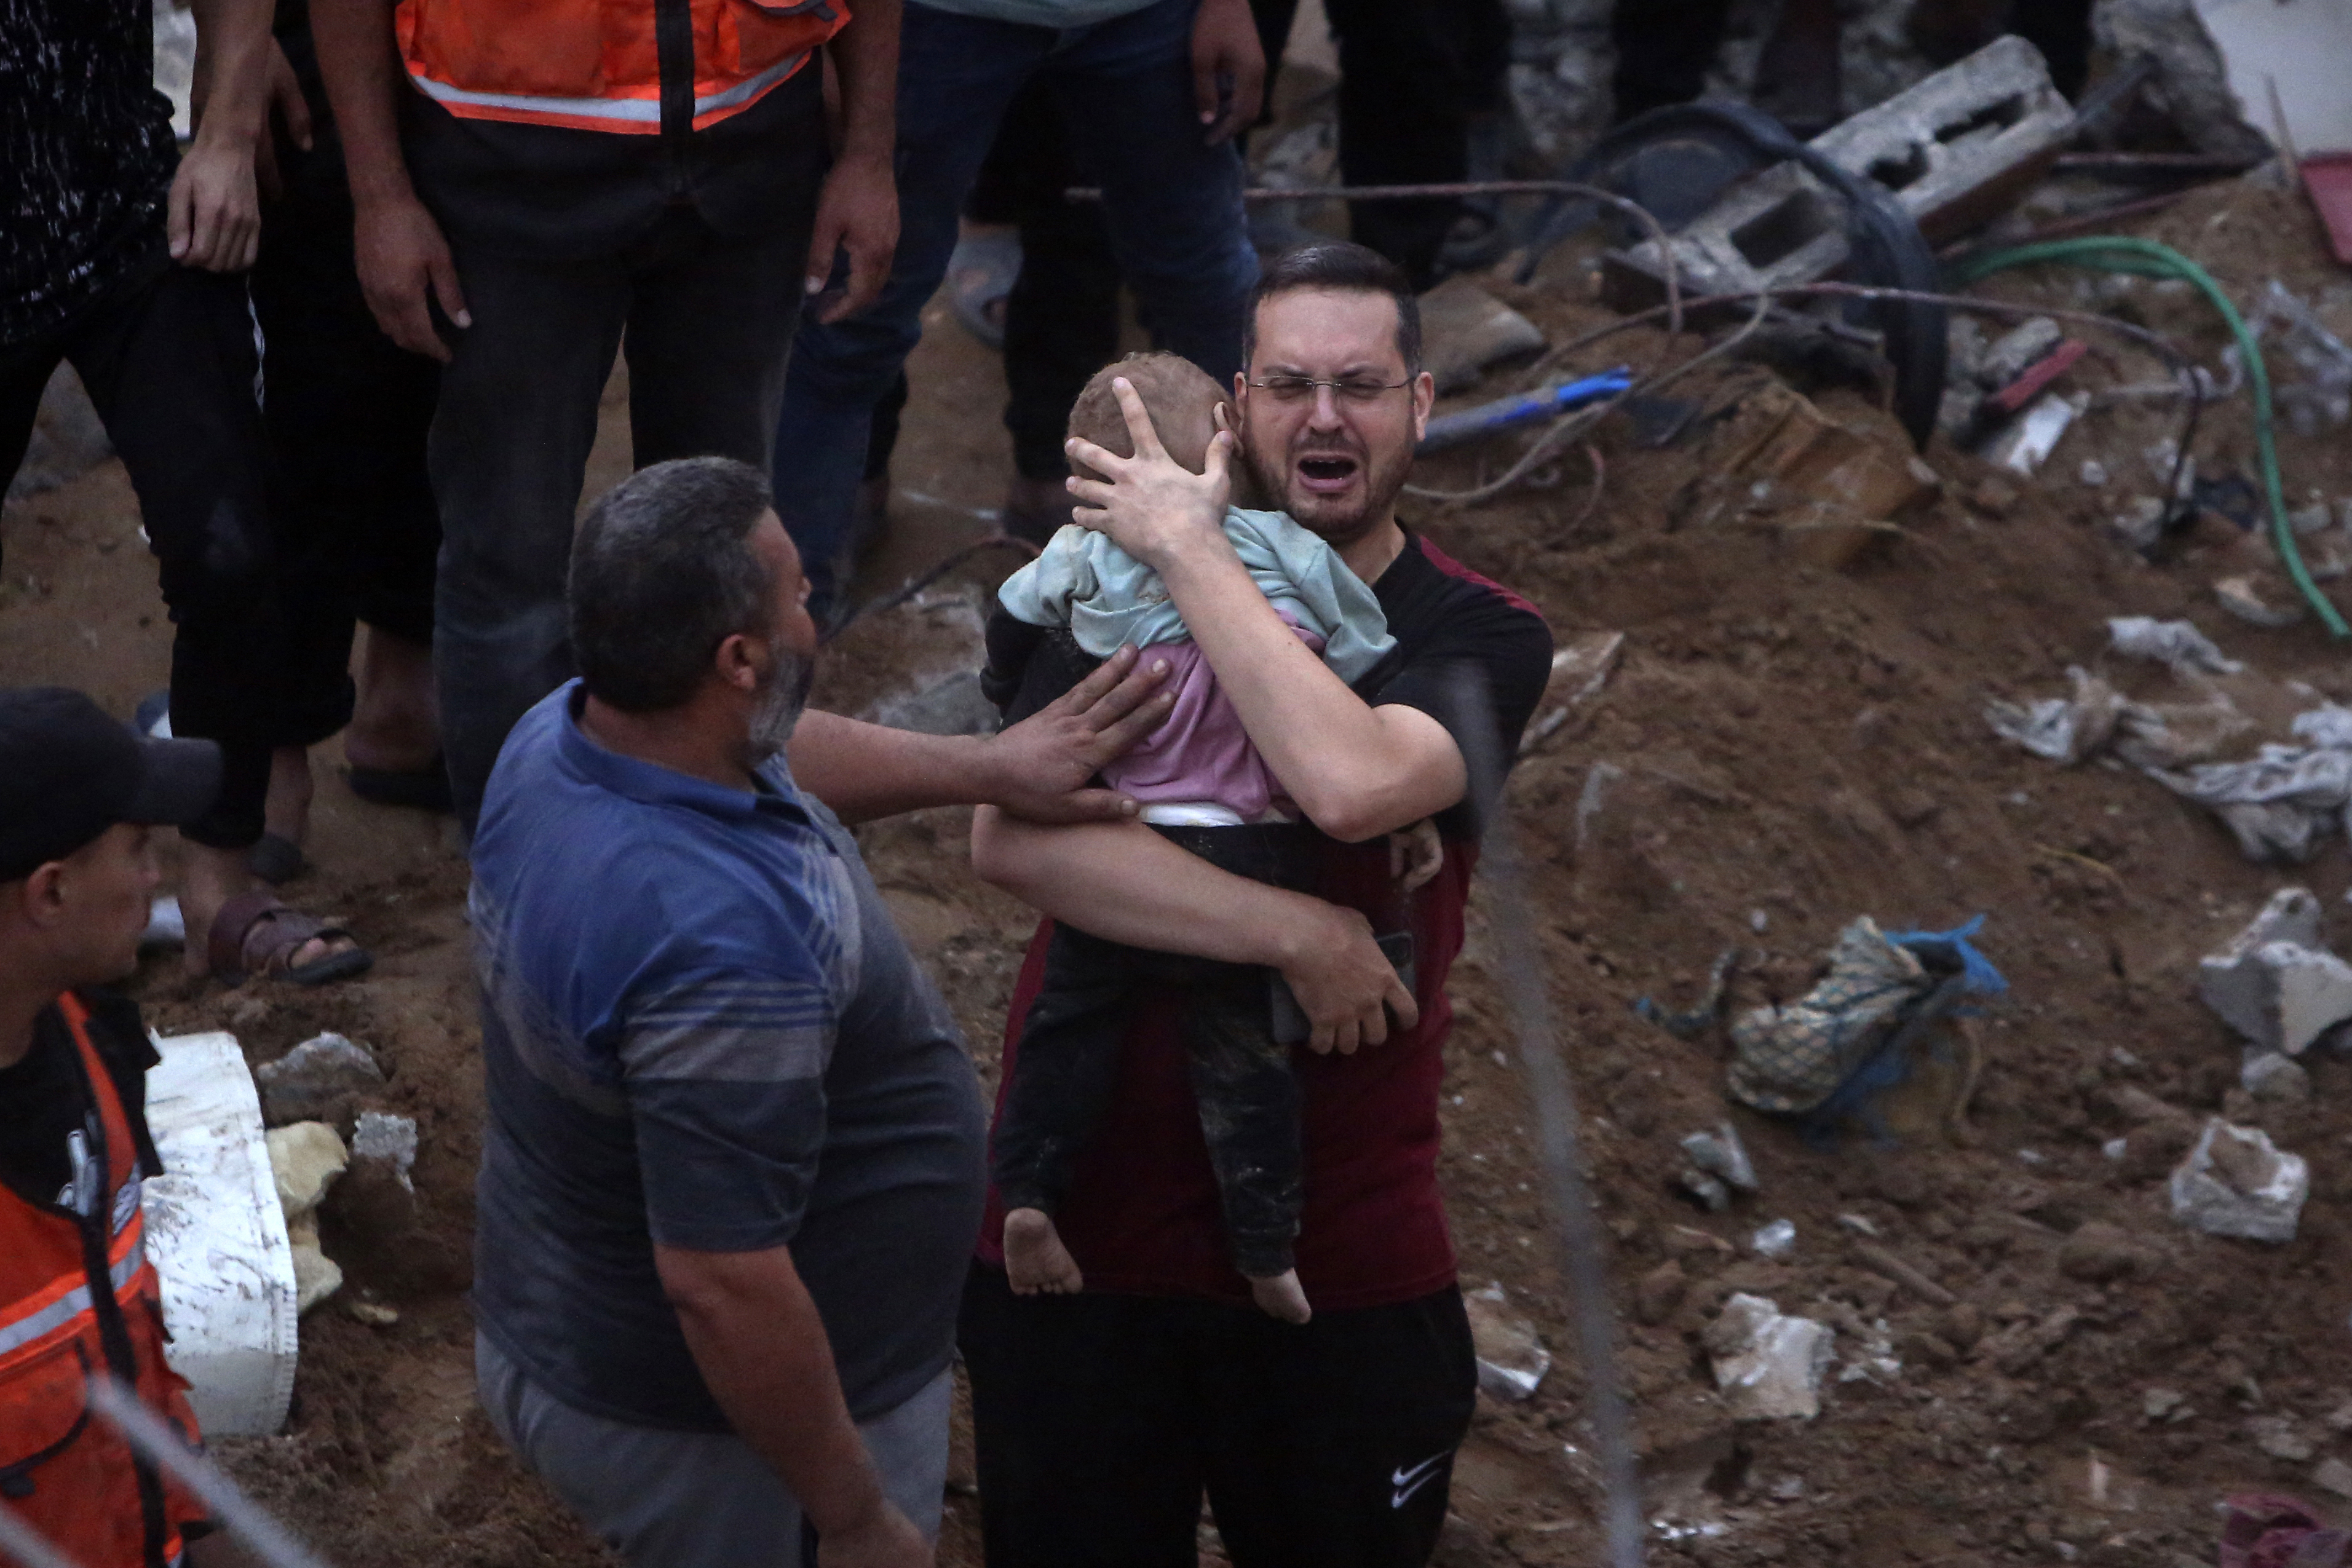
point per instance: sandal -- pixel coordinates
(258, 933)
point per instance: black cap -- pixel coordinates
(69, 772)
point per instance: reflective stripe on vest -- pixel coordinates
(44, 1320)
(625, 110)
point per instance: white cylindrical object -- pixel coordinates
(217, 1238)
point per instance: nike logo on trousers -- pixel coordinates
(1409, 1481)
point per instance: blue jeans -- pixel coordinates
(1174, 203)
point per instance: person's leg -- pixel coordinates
(1331, 1444)
(1173, 202)
(1061, 320)
(1664, 50)
(1063, 1073)
(1404, 118)
(1086, 1425)
(1249, 1104)
(659, 1499)
(955, 76)
(171, 367)
(511, 431)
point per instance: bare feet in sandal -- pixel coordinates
(211, 881)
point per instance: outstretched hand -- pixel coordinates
(1040, 767)
(1152, 507)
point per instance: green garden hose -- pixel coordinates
(2150, 260)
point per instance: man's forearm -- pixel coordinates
(864, 771)
(233, 39)
(361, 63)
(1355, 771)
(865, 59)
(760, 1346)
(1125, 883)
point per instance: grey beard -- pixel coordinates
(780, 700)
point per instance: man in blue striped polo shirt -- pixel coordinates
(732, 1168)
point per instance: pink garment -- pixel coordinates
(1199, 752)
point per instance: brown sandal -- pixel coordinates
(258, 933)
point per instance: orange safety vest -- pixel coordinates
(78, 1299)
(598, 65)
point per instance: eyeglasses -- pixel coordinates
(1301, 388)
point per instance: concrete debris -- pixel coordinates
(2281, 1437)
(2287, 798)
(2236, 1182)
(313, 1081)
(1721, 1153)
(1712, 1194)
(2237, 595)
(2159, 1403)
(1511, 1360)
(374, 1314)
(2191, 83)
(391, 1139)
(1768, 1366)
(2280, 1079)
(2063, 730)
(2099, 1254)
(2333, 1475)
(1465, 329)
(2176, 645)
(2028, 440)
(307, 1158)
(2015, 352)
(1777, 1240)
(2233, 982)
(1955, 150)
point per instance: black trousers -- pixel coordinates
(347, 412)
(169, 363)
(1068, 1064)
(1101, 1420)
(1412, 75)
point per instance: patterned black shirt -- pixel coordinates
(86, 156)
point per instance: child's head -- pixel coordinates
(1182, 399)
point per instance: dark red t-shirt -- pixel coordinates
(1142, 1214)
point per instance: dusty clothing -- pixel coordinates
(1242, 1081)
(1143, 1214)
(701, 1028)
(86, 157)
(665, 1497)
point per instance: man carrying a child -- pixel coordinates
(1108, 1395)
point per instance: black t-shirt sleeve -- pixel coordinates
(1485, 646)
(1029, 667)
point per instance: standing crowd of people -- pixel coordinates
(742, 1202)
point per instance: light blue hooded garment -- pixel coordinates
(1107, 598)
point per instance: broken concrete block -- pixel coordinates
(316, 1275)
(313, 1081)
(1712, 1194)
(306, 1158)
(2310, 991)
(2333, 1476)
(2233, 982)
(1465, 329)
(1777, 1240)
(392, 1139)
(1768, 1366)
(1511, 1359)
(1721, 1153)
(2017, 351)
(2192, 81)
(2236, 1182)
(1955, 149)
(2267, 1075)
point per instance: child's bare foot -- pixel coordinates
(1278, 1296)
(1034, 1258)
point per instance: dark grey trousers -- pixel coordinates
(706, 322)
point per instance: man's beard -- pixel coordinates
(776, 705)
(1337, 521)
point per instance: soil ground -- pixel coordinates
(1786, 745)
